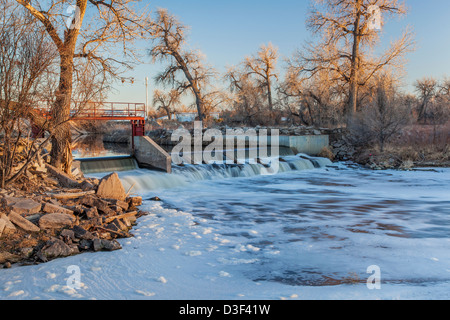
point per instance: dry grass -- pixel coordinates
(417, 145)
(326, 152)
(423, 143)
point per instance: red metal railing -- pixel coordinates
(105, 111)
(102, 111)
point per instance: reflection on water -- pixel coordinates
(92, 146)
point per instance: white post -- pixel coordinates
(146, 99)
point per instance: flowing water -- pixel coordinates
(318, 224)
(311, 231)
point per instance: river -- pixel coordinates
(315, 230)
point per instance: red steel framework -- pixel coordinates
(105, 111)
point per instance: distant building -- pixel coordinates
(192, 116)
(186, 116)
(163, 118)
(189, 117)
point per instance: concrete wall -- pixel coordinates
(150, 155)
(311, 145)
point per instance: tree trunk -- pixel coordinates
(61, 153)
(354, 74)
(269, 95)
(199, 102)
(192, 82)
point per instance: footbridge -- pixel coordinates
(145, 150)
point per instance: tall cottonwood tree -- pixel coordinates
(262, 67)
(348, 36)
(91, 30)
(252, 84)
(186, 68)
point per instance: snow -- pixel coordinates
(309, 234)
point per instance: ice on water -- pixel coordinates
(308, 232)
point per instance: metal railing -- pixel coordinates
(102, 110)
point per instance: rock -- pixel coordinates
(92, 201)
(85, 245)
(134, 202)
(91, 213)
(111, 245)
(74, 248)
(9, 227)
(2, 226)
(54, 248)
(110, 187)
(23, 223)
(117, 225)
(51, 181)
(97, 245)
(8, 257)
(81, 233)
(64, 179)
(8, 201)
(25, 206)
(53, 208)
(67, 235)
(107, 245)
(26, 252)
(116, 208)
(76, 172)
(56, 221)
(119, 203)
(86, 186)
(77, 210)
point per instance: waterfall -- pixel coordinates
(143, 180)
(111, 164)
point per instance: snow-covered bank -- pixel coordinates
(307, 234)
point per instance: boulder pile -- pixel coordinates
(65, 216)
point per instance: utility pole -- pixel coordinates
(146, 99)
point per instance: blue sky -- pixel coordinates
(227, 31)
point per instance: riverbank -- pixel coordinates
(49, 214)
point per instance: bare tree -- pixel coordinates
(444, 89)
(247, 99)
(262, 67)
(26, 58)
(252, 83)
(348, 36)
(315, 101)
(169, 46)
(384, 118)
(427, 89)
(166, 101)
(434, 103)
(96, 30)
